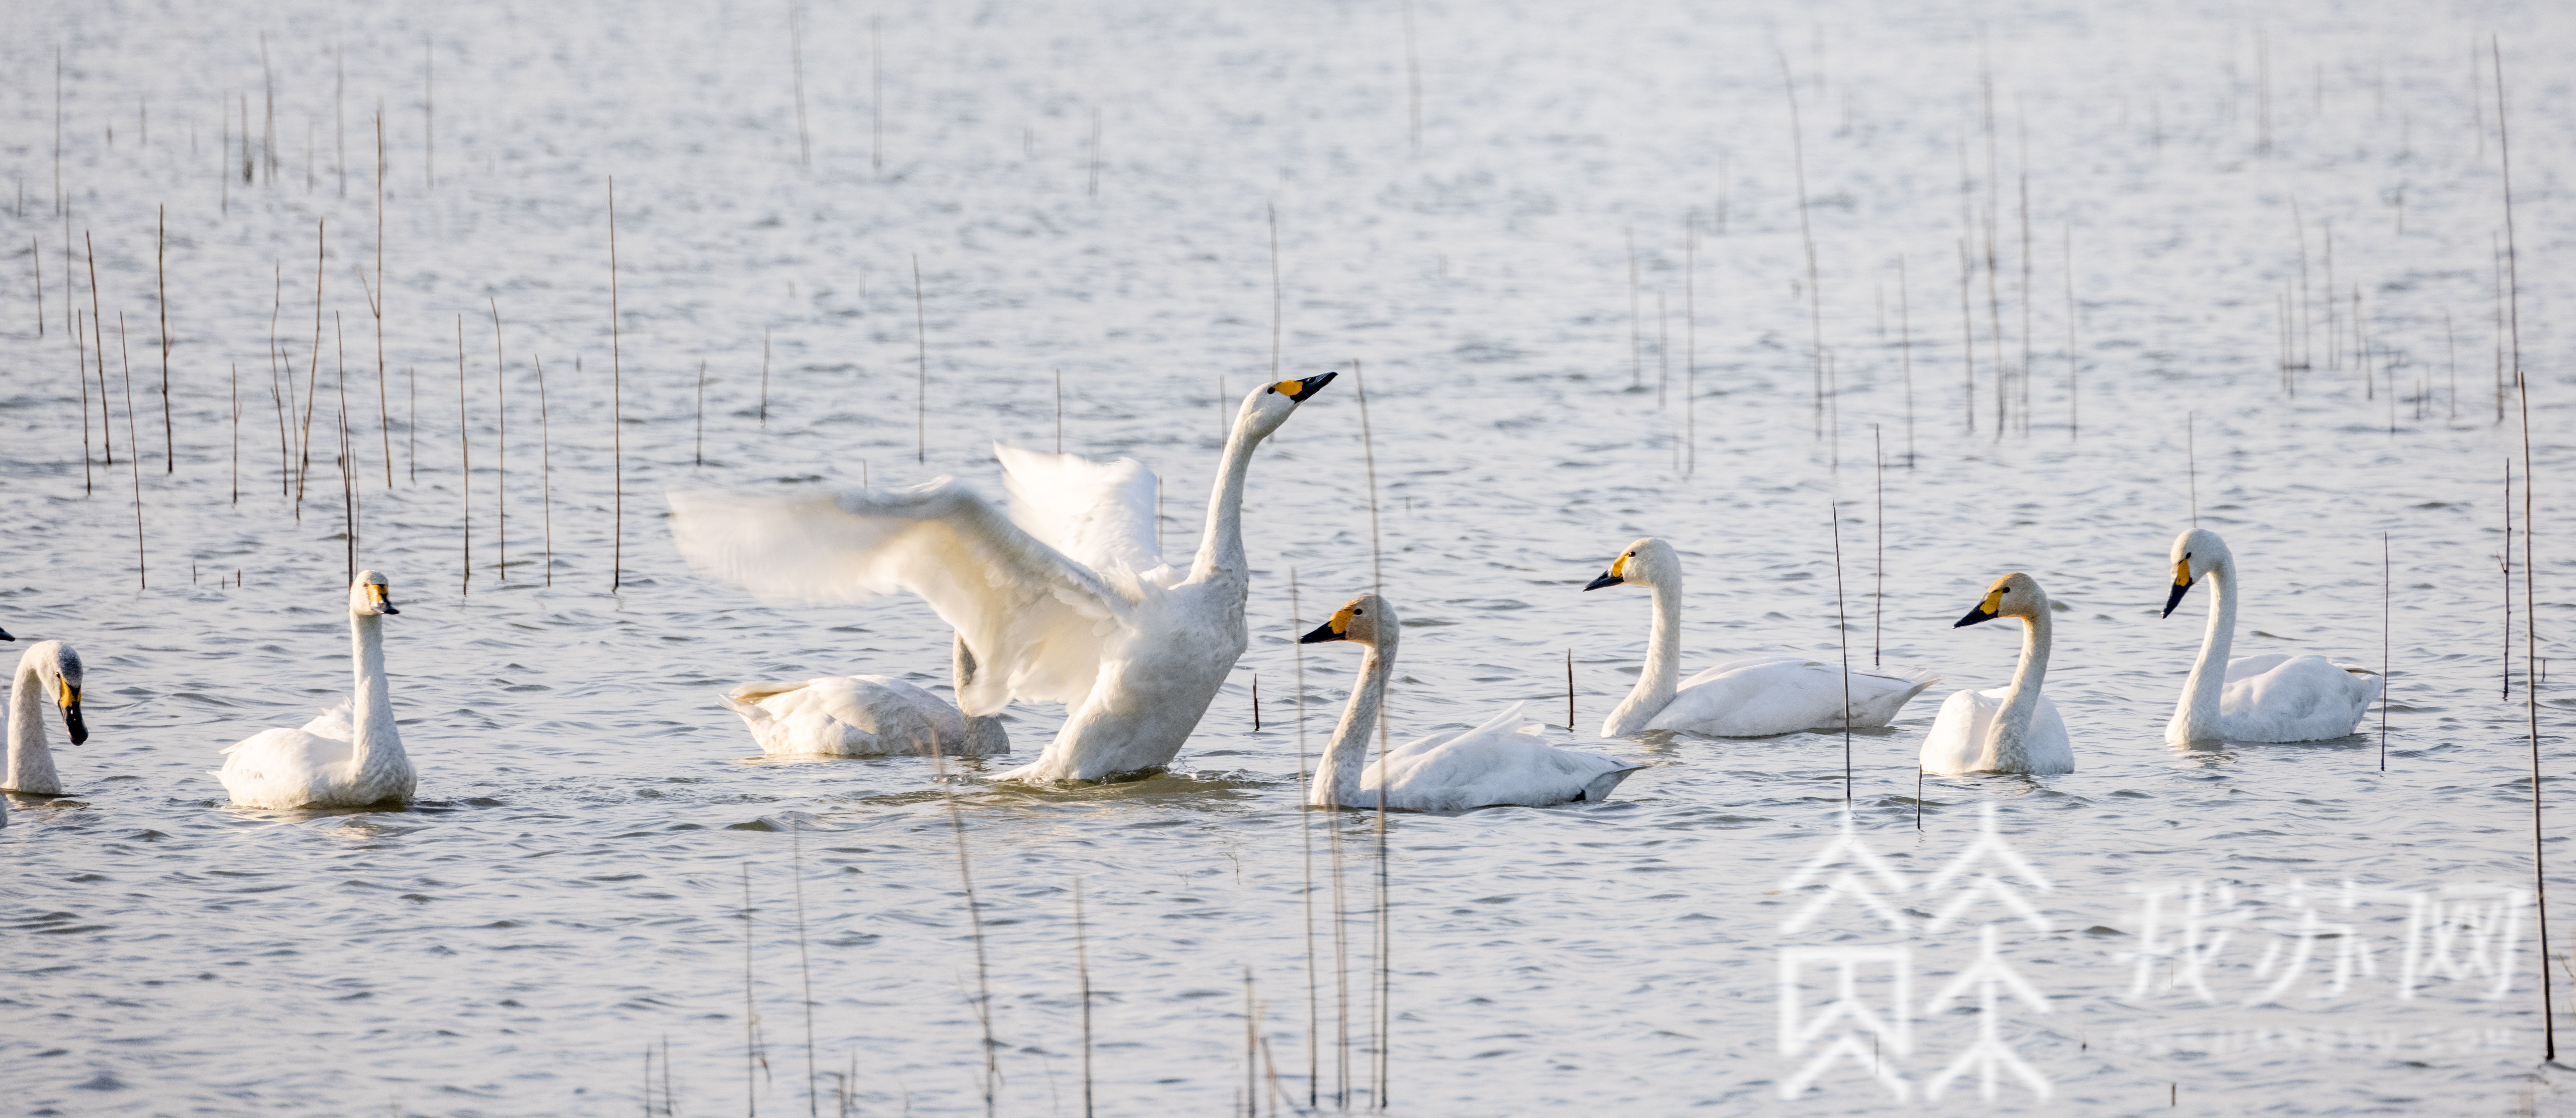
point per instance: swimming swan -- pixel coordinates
(348, 756)
(861, 716)
(2274, 697)
(2004, 729)
(1501, 762)
(51, 670)
(1064, 600)
(1745, 698)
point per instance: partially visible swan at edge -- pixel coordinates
(50, 671)
(2273, 697)
(2004, 729)
(864, 715)
(1503, 762)
(1752, 697)
(349, 755)
(1066, 599)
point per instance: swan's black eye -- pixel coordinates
(1359, 613)
(2005, 590)
(1268, 389)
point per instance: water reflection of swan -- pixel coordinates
(1501, 762)
(348, 756)
(1744, 698)
(51, 670)
(861, 716)
(2004, 729)
(2274, 697)
(1066, 600)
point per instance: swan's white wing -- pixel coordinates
(2293, 698)
(282, 769)
(1495, 763)
(1036, 621)
(1100, 514)
(1958, 736)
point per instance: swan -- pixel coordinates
(2004, 729)
(348, 756)
(49, 668)
(1066, 599)
(2274, 697)
(1501, 762)
(1750, 697)
(863, 715)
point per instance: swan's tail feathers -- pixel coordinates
(745, 700)
(1600, 787)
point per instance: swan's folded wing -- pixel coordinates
(1100, 514)
(1035, 620)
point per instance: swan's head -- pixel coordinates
(1271, 404)
(2195, 553)
(2014, 595)
(370, 596)
(1358, 620)
(1647, 562)
(60, 664)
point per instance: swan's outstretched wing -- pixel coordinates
(1035, 620)
(1100, 514)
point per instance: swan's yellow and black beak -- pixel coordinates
(384, 597)
(1987, 610)
(4, 635)
(1298, 390)
(1614, 576)
(72, 724)
(1338, 628)
(2181, 585)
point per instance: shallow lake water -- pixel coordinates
(1565, 252)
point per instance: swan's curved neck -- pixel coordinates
(2196, 718)
(31, 761)
(1661, 676)
(1221, 543)
(375, 747)
(1337, 777)
(2008, 743)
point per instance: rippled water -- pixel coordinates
(570, 891)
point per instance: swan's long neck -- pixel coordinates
(1337, 777)
(2008, 743)
(1221, 544)
(31, 762)
(2196, 717)
(376, 751)
(1662, 674)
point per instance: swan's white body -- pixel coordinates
(1503, 762)
(2011, 729)
(859, 716)
(2274, 697)
(1067, 599)
(1752, 697)
(49, 672)
(348, 756)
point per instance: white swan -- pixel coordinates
(2004, 729)
(1501, 762)
(863, 715)
(1067, 599)
(51, 670)
(1745, 698)
(348, 756)
(2274, 697)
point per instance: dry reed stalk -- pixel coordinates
(1967, 334)
(376, 303)
(921, 394)
(804, 962)
(546, 469)
(276, 306)
(1807, 236)
(98, 347)
(1842, 633)
(1306, 848)
(411, 424)
(2334, 340)
(2384, 661)
(36, 261)
(501, 417)
(1082, 976)
(312, 374)
(161, 297)
(2530, 626)
(134, 462)
(975, 924)
(236, 408)
(1569, 690)
(465, 454)
(616, 406)
(796, 62)
(80, 372)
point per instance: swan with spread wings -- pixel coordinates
(1064, 599)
